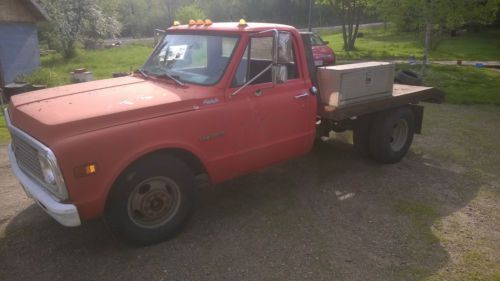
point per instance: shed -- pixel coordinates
(19, 51)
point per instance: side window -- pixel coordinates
(286, 54)
(262, 48)
(261, 55)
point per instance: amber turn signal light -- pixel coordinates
(85, 170)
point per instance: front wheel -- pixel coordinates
(150, 201)
(391, 135)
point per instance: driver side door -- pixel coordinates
(276, 121)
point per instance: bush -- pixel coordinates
(188, 12)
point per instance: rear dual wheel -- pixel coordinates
(388, 137)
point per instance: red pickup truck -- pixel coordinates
(221, 99)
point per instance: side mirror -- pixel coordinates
(279, 73)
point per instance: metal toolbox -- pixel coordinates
(343, 85)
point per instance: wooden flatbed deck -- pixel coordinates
(401, 95)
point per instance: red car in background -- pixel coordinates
(323, 55)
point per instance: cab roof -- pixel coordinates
(232, 27)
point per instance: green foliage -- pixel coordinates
(351, 13)
(141, 17)
(4, 133)
(193, 11)
(380, 43)
(464, 85)
(55, 69)
(411, 15)
(74, 20)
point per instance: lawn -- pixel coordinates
(102, 63)
(380, 43)
(4, 133)
(462, 84)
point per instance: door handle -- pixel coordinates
(301, 96)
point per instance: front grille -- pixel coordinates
(27, 157)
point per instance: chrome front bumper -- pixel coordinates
(65, 214)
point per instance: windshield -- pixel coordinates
(316, 40)
(192, 58)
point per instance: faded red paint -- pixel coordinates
(116, 121)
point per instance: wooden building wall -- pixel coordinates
(15, 11)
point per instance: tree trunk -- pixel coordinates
(342, 12)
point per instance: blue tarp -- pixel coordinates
(19, 52)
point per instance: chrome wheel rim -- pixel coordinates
(153, 202)
(399, 135)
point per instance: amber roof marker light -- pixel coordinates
(208, 22)
(242, 22)
(176, 23)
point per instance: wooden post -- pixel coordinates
(310, 15)
(428, 31)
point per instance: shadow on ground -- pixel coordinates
(328, 215)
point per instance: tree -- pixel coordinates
(188, 12)
(71, 20)
(433, 17)
(99, 26)
(350, 13)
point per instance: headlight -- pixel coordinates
(52, 176)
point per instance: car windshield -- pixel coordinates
(192, 58)
(316, 40)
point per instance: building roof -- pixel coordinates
(22, 11)
(36, 9)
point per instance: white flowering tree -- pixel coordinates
(74, 20)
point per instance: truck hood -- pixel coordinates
(74, 109)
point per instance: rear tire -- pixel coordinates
(408, 77)
(361, 135)
(150, 201)
(391, 135)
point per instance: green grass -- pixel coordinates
(4, 133)
(55, 70)
(462, 84)
(380, 43)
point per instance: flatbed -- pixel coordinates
(402, 95)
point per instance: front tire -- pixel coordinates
(391, 135)
(150, 201)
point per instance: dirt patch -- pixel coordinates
(329, 215)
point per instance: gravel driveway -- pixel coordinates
(329, 215)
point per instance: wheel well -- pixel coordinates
(193, 162)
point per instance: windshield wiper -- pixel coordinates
(143, 73)
(165, 74)
(168, 75)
